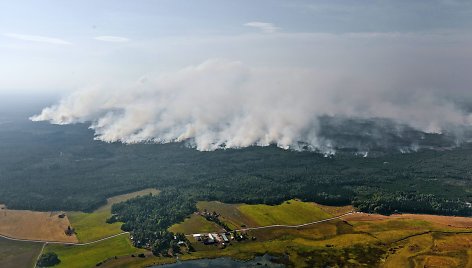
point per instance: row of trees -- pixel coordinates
(388, 203)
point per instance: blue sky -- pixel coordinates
(65, 45)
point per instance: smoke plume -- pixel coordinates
(227, 104)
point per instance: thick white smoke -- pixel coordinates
(226, 104)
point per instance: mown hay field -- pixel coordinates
(34, 225)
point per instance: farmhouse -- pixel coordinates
(225, 238)
(210, 239)
(198, 237)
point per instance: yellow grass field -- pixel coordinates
(33, 225)
(451, 221)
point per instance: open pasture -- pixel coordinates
(93, 226)
(229, 213)
(33, 225)
(15, 254)
(290, 212)
(359, 240)
(450, 221)
(90, 255)
(195, 224)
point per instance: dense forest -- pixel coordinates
(49, 167)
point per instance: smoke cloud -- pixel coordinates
(229, 104)
(222, 103)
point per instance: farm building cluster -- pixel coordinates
(219, 238)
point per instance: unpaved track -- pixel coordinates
(291, 226)
(63, 243)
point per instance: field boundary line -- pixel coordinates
(40, 254)
(290, 226)
(293, 226)
(60, 242)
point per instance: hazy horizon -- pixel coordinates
(229, 74)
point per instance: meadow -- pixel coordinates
(290, 212)
(15, 254)
(357, 240)
(93, 226)
(90, 255)
(34, 225)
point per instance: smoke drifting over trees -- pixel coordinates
(407, 81)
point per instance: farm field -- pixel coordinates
(90, 255)
(14, 254)
(93, 226)
(195, 224)
(229, 213)
(358, 239)
(33, 225)
(461, 222)
(291, 212)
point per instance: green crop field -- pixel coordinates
(195, 224)
(14, 254)
(90, 255)
(93, 226)
(291, 212)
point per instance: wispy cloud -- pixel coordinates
(265, 27)
(38, 38)
(110, 38)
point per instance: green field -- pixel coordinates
(386, 242)
(389, 242)
(93, 226)
(133, 262)
(229, 213)
(14, 254)
(90, 255)
(195, 224)
(291, 212)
